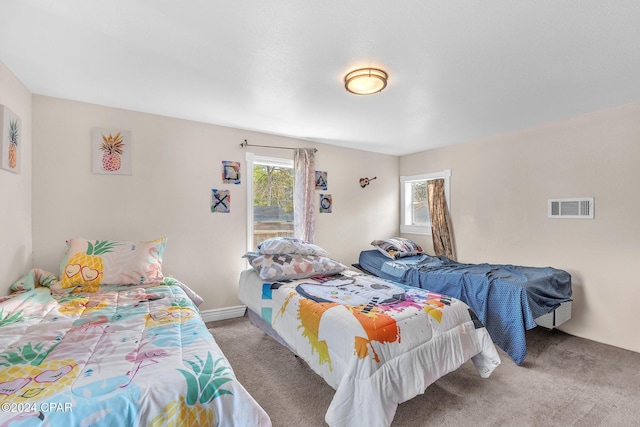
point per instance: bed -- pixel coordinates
(508, 299)
(377, 343)
(113, 355)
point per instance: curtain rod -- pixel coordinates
(246, 144)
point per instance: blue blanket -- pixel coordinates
(506, 298)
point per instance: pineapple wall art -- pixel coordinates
(11, 139)
(112, 151)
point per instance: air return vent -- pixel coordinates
(571, 208)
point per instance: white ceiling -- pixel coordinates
(458, 69)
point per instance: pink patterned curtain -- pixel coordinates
(441, 230)
(304, 185)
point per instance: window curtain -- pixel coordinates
(304, 185)
(441, 230)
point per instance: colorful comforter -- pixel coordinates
(377, 343)
(507, 298)
(124, 356)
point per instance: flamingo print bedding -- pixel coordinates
(121, 356)
(377, 343)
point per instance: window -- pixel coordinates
(414, 215)
(270, 194)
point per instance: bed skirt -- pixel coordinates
(265, 327)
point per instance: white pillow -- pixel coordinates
(289, 245)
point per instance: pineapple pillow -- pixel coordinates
(107, 262)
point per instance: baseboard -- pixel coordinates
(223, 313)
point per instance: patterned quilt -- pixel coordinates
(123, 356)
(377, 343)
(507, 298)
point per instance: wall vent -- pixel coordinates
(571, 208)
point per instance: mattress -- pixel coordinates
(377, 343)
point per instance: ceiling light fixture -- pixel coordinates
(365, 81)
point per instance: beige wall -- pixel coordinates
(15, 189)
(500, 187)
(499, 191)
(176, 164)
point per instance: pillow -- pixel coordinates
(290, 245)
(277, 267)
(107, 262)
(250, 256)
(397, 247)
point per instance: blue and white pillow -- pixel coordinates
(397, 247)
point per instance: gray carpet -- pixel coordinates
(565, 381)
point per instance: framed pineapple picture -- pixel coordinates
(112, 151)
(11, 126)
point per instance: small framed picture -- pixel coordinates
(230, 172)
(11, 126)
(326, 203)
(112, 151)
(220, 201)
(321, 180)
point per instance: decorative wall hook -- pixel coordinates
(366, 181)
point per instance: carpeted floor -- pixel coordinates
(565, 381)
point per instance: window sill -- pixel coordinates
(415, 229)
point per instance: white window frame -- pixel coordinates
(406, 200)
(251, 161)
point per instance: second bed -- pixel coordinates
(377, 343)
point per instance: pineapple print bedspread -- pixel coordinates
(124, 356)
(377, 343)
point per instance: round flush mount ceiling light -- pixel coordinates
(365, 81)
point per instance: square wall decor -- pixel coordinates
(112, 151)
(11, 126)
(230, 172)
(326, 203)
(220, 201)
(321, 180)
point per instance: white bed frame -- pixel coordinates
(557, 317)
